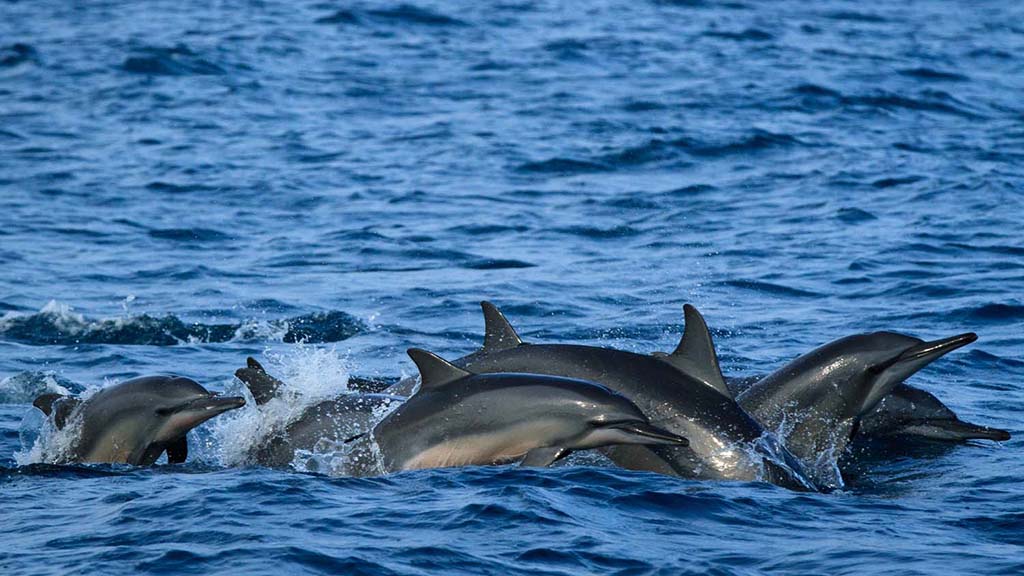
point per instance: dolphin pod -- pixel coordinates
(509, 401)
(136, 421)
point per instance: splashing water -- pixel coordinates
(310, 375)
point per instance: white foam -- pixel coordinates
(310, 374)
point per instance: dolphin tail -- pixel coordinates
(261, 385)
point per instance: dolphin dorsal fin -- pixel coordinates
(58, 405)
(498, 333)
(261, 385)
(695, 354)
(434, 370)
(45, 402)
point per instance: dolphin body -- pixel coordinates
(819, 400)
(331, 421)
(907, 413)
(725, 442)
(135, 421)
(459, 418)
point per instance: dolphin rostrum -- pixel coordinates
(817, 401)
(459, 418)
(328, 422)
(135, 421)
(725, 442)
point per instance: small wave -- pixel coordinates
(769, 288)
(990, 313)
(756, 141)
(562, 166)
(750, 34)
(927, 101)
(854, 215)
(24, 387)
(172, 188)
(600, 233)
(403, 14)
(410, 14)
(496, 264)
(342, 16)
(58, 324)
(15, 54)
(899, 181)
(178, 60)
(932, 74)
(851, 16)
(188, 234)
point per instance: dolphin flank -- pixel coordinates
(459, 418)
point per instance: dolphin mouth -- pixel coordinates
(929, 351)
(213, 404)
(646, 430)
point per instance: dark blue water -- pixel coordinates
(183, 185)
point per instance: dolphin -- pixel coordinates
(907, 413)
(912, 413)
(330, 421)
(725, 442)
(460, 418)
(818, 401)
(135, 421)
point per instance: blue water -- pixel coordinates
(324, 184)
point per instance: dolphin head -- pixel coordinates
(878, 361)
(182, 404)
(613, 419)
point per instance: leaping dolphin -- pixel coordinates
(725, 442)
(135, 421)
(459, 418)
(818, 401)
(332, 421)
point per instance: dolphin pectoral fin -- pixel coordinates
(261, 385)
(498, 332)
(695, 355)
(434, 370)
(543, 457)
(177, 450)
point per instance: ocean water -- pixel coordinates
(325, 184)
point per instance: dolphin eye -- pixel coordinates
(163, 411)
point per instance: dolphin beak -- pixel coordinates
(208, 406)
(929, 351)
(218, 404)
(646, 430)
(909, 362)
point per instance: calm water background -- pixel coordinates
(182, 185)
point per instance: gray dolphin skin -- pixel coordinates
(907, 413)
(135, 421)
(459, 418)
(725, 442)
(818, 401)
(912, 413)
(331, 421)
